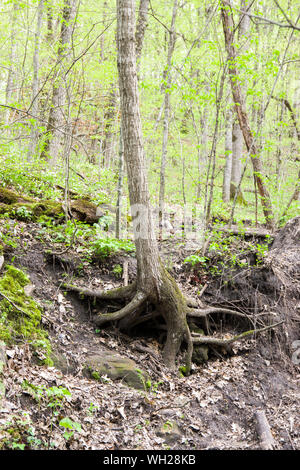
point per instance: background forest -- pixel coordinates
(61, 113)
(115, 333)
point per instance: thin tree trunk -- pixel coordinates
(109, 116)
(167, 79)
(139, 39)
(140, 29)
(240, 108)
(12, 74)
(35, 84)
(49, 24)
(237, 135)
(228, 157)
(57, 118)
(212, 162)
(120, 187)
(153, 281)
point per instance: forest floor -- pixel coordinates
(213, 408)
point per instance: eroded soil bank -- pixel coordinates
(62, 407)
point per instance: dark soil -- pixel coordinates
(213, 408)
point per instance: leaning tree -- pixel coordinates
(153, 284)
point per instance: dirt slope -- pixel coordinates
(211, 409)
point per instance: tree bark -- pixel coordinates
(242, 115)
(153, 281)
(228, 157)
(120, 187)
(166, 86)
(140, 30)
(56, 120)
(35, 84)
(109, 116)
(237, 134)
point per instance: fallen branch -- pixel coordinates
(264, 431)
(225, 343)
(204, 312)
(249, 232)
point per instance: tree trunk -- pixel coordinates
(11, 78)
(35, 84)
(166, 85)
(109, 116)
(237, 135)
(120, 187)
(56, 121)
(228, 157)
(140, 29)
(242, 115)
(153, 281)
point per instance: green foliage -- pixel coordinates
(22, 213)
(194, 260)
(111, 246)
(51, 397)
(117, 270)
(19, 433)
(70, 427)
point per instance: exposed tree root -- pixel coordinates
(173, 307)
(135, 303)
(226, 343)
(120, 293)
(204, 312)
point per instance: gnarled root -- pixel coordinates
(135, 303)
(226, 343)
(120, 293)
(167, 302)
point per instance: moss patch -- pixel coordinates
(20, 316)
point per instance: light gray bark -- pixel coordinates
(57, 119)
(35, 83)
(237, 135)
(228, 157)
(12, 73)
(140, 29)
(167, 80)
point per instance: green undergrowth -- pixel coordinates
(92, 241)
(111, 246)
(227, 253)
(20, 315)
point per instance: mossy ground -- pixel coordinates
(20, 316)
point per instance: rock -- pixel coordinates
(116, 367)
(170, 432)
(62, 363)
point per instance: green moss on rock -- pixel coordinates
(20, 315)
(116, 367)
